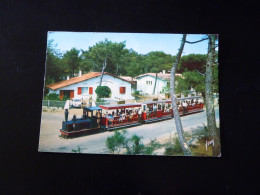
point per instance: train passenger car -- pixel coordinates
(194, 105)
(121, 115)
(156, 110)
(153, 111)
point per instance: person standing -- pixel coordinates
(139, 115)
(81, 103)
(184, 104)
(90, 101)
(98, 118)
(147, 112)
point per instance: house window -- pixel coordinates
(148, 82)
(122, 90)
(84, 90)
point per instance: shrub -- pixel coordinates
(152, 146)
(135, 146)
(99, 100)
(52, 96)
(103, 91)
(175, 149)
(117, 141)
(136, 92)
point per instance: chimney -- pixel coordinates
(68, 78)
(80, 73)
(163, 71)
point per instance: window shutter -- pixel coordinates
(61, 94)
(122, 90)
(79, 90)
(71, 94)
(90, 90)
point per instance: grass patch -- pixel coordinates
(174, 149)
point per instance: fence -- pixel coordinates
(53, 103)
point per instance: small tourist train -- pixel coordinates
(110, 117)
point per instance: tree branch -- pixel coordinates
(192, 42)
(200, 73)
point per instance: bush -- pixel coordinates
(103, 91)
(52, 96)
(132, 145)
(136, 93)
(99, 100)
(152, 146)
(175, 149)
(135, 146)
(117, 141)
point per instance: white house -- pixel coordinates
(146, 82)
(85, 85)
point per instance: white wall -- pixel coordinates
(146, 88)
(110, 81)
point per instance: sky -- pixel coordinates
(142, 43)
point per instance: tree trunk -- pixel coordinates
(117, 70)
(103, 70)
(155, 84)
(183, 143)
(211, 120)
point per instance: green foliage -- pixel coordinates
(93, 58)
(116, 142)
(103, 91)
(193, 62)
(196, 81)
(152, 146)
(174, 149)
(99, 100)
(134, 63)
(156, 61)
(136, 92)
(166, 90)
(52, 96)
(54, 68)
(135, 146)
(132, 145)
(71, 61)
(190, 79)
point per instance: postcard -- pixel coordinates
(131, 94)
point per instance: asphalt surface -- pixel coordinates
(51, 142)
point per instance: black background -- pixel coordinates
(23, 39)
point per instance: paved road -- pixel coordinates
(51, 123)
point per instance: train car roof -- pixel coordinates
(193, 97)
(159, 101)
(169, 101)
(93, 108)
(119, 106)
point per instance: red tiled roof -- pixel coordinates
(78, 79)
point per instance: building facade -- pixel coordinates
(85, 85)
(146, 82)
